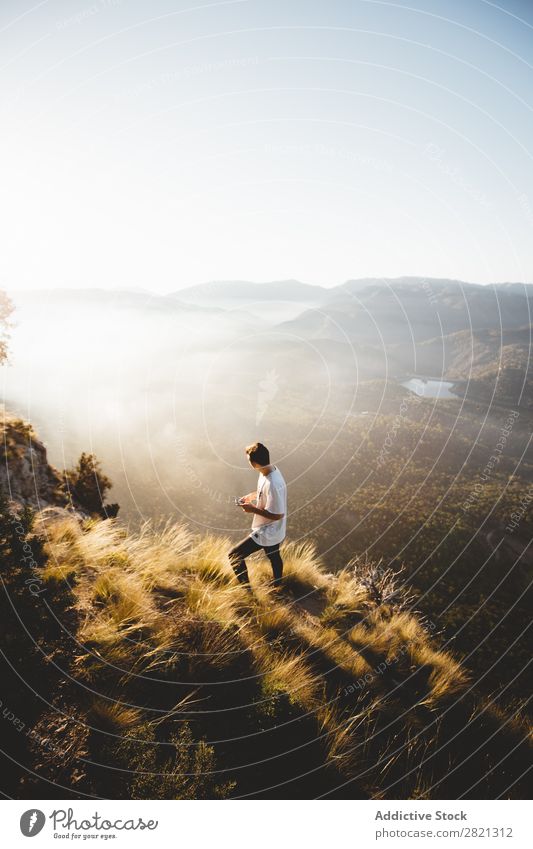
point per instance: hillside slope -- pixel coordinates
(134, 666)
(157, 676)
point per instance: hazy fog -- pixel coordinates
(166, 395)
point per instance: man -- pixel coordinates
(269, 507)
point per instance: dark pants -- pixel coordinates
(248, 546)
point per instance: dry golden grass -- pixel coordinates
(158, 555)
(102, 541)
(59, 573)
(112, 717)
(290, 674)
(302, 570)
(119, 577)
(326, 645)
(447, 677)
(202, 647)
(222, 604)
(164, 605)
(102, 632)
(63, 535)
(276, 620)
(387, 633)
(345, 596)
(209, 560)
(348, 738)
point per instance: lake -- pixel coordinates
(430, 387)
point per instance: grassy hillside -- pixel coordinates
(154, 675)
(421, 492)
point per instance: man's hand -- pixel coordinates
(249, 508)
(245, 499)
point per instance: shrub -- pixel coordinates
(87, 486)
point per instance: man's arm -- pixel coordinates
(271, 511)
(266, 514)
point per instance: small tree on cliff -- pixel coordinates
(88, 485)
(6, 309)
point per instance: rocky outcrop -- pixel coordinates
(26, 477)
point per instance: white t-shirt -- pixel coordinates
(271, 496)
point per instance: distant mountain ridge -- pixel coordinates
(105, 299)
(291, 288)
(283, 290)
(414, 310)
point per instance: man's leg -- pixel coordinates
(272, 552)
(237, 557)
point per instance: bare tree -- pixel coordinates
(6, 309)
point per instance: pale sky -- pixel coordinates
(160, 144)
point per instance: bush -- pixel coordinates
(87, 485)
(181, 769)
(6, 309)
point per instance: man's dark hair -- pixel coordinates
(258, 454)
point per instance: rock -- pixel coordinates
(26, 477)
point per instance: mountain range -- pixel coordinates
(369, 327)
